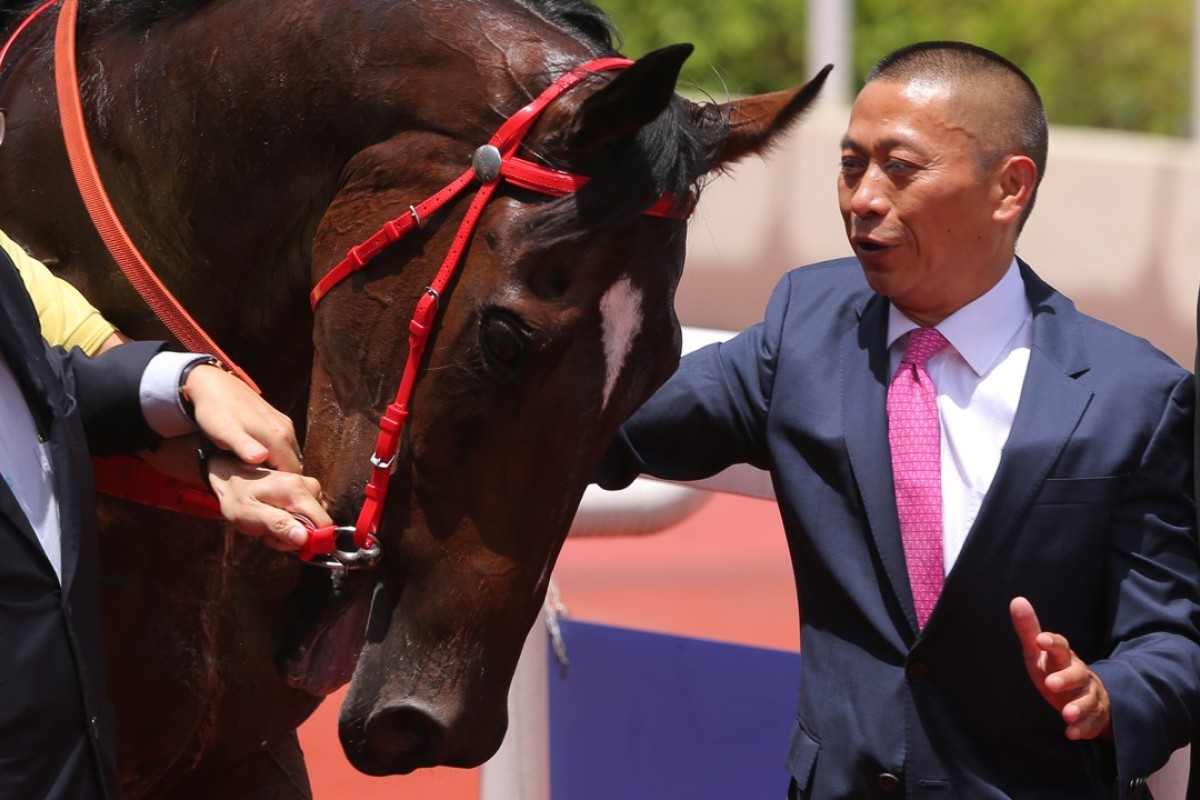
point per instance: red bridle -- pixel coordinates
(492, 162)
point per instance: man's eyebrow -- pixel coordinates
(890, 143)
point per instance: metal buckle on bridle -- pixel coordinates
(345, 555)
(379, 463)
(353, 558)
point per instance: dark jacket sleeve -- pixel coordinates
(106, 390)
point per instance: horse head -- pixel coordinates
(558, 325)
(249, 146)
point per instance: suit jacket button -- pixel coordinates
(917, 672)
(888, 782)
(1137, 788)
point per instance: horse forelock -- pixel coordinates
(673, 155)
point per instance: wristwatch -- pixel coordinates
(185, 402)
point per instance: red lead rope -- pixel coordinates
(100, 209)
(493, 161)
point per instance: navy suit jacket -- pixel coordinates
(1090, 516)
(56, 727)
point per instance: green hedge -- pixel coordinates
(1104, 63)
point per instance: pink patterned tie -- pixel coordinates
(915, 438)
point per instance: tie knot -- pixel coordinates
(923, 343)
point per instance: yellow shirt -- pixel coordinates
(67, 319)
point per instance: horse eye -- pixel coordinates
(503, 341)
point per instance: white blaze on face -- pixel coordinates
(620, 321)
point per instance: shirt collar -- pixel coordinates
(980, 330)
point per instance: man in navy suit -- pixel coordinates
(1046, 644)
(56, 726)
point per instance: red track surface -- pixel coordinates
(722, 574)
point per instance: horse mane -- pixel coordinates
(581, 17)
(112, 13)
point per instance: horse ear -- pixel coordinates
(756, 121)
(633, 99)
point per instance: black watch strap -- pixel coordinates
(185, 402)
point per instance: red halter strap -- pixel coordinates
(517, 171)
(492, 162)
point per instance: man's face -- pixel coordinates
(919, 212)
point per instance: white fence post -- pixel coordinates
(830, 34)
(520, 770)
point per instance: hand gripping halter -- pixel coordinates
(492, 162)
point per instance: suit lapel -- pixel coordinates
(20, 339)
(865, 377)
(1051, 405)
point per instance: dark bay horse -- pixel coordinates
(247, 145)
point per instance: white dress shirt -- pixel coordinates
(25, 459)
(978, 380)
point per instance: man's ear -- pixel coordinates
(1016, 183)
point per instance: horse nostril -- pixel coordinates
(403, 738)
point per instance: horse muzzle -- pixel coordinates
(397, 738)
